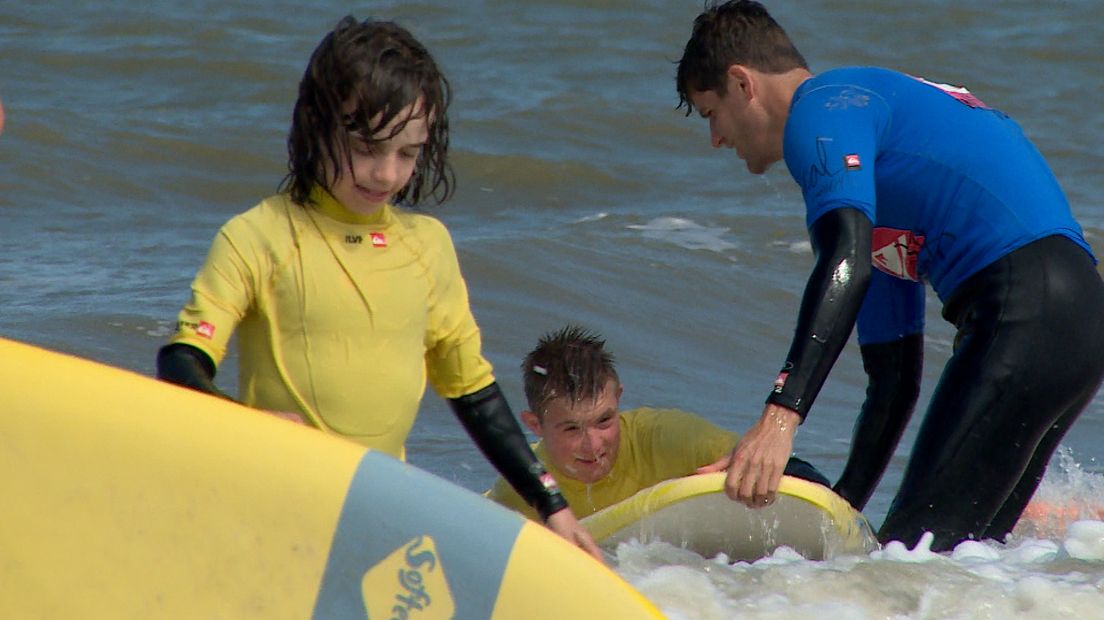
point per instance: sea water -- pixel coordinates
(134, 130)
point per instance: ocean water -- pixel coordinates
(134, 131)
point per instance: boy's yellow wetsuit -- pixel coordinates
(341, 317)
(655, 445)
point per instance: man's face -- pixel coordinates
(738, 121)
(582, 437)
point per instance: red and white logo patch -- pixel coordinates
(896, 251)
(548, 482)
(780, 382)
(379, 240)
(852, 162)
(205, 329)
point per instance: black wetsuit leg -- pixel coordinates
(1001, 525)
(1027, 360)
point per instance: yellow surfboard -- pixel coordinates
(126, 497)
(694, 513)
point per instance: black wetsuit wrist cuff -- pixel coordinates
(548, 504)
(546, 498)
(795, 404)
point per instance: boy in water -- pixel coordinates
(345, 302)
(599, 454)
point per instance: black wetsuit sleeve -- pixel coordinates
(894, 370)
(487, 418)
(829, 307)
(186, 365)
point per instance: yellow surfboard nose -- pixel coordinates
(126, 497)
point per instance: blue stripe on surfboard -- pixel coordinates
(390, 503)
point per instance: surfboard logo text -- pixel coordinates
(409, 584)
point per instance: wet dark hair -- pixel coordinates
(737, 32)
(571, 363)
(381, 67)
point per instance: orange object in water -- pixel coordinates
(1042, 511)
(1051, 518)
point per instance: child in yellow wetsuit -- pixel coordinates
(599, 454)
(346, 303)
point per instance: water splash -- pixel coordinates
(1067, 493)
(1029, 576)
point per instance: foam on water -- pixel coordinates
(686, 233)
(795, 247)
(1029, 576)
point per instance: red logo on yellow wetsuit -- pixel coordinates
(896, 251)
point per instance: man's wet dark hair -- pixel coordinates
(737, 32)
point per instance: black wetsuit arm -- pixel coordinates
(487, 418)
(188, 366)
(829, 307)
(894, 370)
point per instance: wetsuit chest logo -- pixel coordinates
(895, 252)
(377, 239)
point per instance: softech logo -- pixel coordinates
(409, 584)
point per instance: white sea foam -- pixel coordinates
(1085, 540)
(1026, 577)
(686, 233)
(601, 215)
(795, 247)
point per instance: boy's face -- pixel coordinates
(582, 437)
(381, 169)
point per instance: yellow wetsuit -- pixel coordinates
(655, 445)
(341, 317)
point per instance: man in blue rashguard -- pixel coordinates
(909, 181)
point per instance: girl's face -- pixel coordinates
(379, 170)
